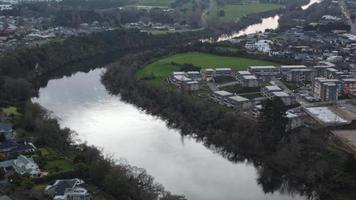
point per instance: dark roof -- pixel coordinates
(5, 127)
(5, 197)
(61, 185)
(11, 146)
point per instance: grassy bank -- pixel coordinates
(160, 69)
(229, 13)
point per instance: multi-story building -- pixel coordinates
(191, 86)
(221, 96)
(299, 75)
(267, 91)
(284, 69)
(223, 72)
(238, 102)
(195, 75)
(207, 74)
(285, 97)
(273, 91)
(246, 79)
(264, 73)
(326, 89)
(320, 70)
(349, 86)
(181, 80)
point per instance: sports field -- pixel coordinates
(160, 69)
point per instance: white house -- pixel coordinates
(68, 189)
(22, 165)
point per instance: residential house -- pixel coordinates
(22, 165)
(6, 130)
(260, 45)
(5, 197)
(68, 189)
(12, 147)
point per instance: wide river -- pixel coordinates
(181, 164)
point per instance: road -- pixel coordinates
(206, 11)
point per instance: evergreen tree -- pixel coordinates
(272, 123)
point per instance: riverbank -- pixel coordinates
(238, 138)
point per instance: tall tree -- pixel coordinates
(272, 123)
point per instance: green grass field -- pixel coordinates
(160, 3)
(163, 67)
(58, 166)
(235, 12)
(10, 111)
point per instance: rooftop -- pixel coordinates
(244, 72)
(238, 98)
(272, 88)
(60, 186)
(250, 77)
(5, 127)
(293, 67)
(280, 94)
(262, 67)
(325, 115)
(223, 69)
(223, 93)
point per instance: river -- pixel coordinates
(182, 164)
(266, 23)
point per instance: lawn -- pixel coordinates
(160, 3)
(236, 11)
(160, 69)
(54, 163)
(58, 166)
(10, 111)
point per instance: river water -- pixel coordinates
(267, 23)
(181, 164)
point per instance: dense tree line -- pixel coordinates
(300, 160)
(32, 62)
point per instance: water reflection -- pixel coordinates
(182, 165)
(311, 2)
(267, 23)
